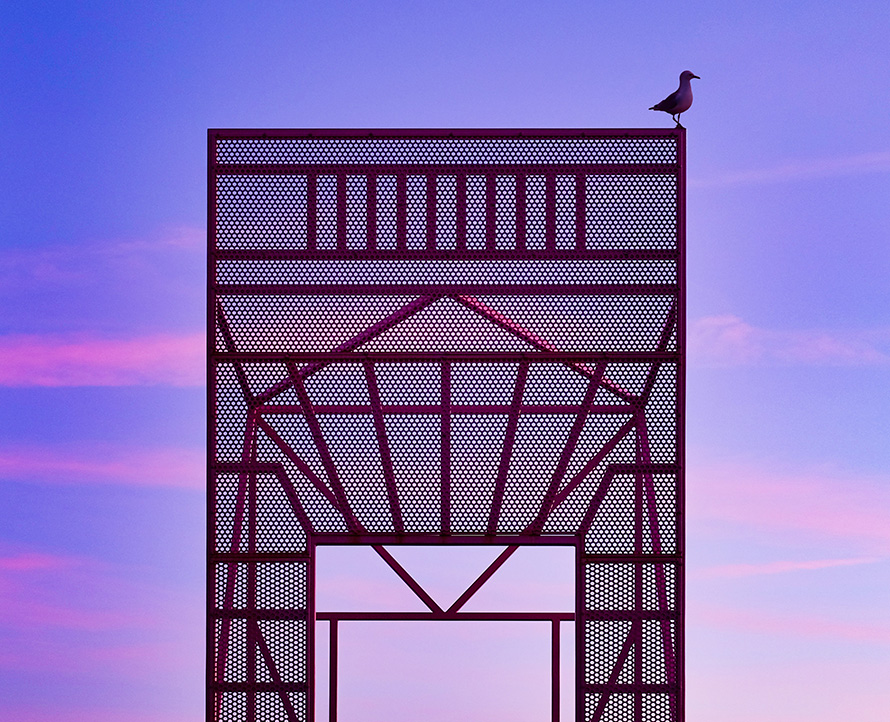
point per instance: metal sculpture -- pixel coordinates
(445, 337)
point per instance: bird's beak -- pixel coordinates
(696, 76)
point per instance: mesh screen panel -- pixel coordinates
(430, 335)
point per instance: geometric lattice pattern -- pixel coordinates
(435, 337)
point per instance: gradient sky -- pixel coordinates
(104, 108)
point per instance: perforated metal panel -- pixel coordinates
(430, 336)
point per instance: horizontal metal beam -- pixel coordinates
(455, 409)
(428, 289)
(446, 539)
(448, 133)
(445, 616)
(445, 169)
(299, 615)
(628, 615)
(257, 557)
(618, 688)
(299, 687)
(360, 356)
(232, 251)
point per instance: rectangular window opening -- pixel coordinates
(395, 662)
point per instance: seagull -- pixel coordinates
(680, 100)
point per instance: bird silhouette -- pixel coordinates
(680, 100)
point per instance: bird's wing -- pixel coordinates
(667, 104)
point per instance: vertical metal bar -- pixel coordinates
(445, 450)
(638, 659)
(550, 211)
(678, 701)
(311, 631)
(521, 206)
(311, 211)
(332, 675)
(341, 211)
(461, 211)
(371, 210)
(401, 211)
(638, 585)
(554, 670)
(490, 211)
(251, 596)
(580, 211)
(211, 699)
(638, 508)
(251, 642)
(580, 629)
(430, 211)
(644, 457)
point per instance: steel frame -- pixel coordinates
(446, 337)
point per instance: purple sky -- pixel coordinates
(103, 120)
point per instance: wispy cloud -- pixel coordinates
(120, 288)
(825, 504)
(778, 567)
(35, 561)
(65, 263)
(55, 607)
(76, 712)
(804, 169)
(105, 464)
(786, 625)
(53, 360)
(730, 341)
(40, 590)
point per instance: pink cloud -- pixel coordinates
(33, 561)
(778, 567)
(874, 162)
(53, 360)
(730, 341)
(824, 503)
(39, 590)
(78, 713)
(105, 464)
(66, 263)
(55, 608)
(25, 613)
(726, 686)
(793, 625)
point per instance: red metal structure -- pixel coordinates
(446, 337)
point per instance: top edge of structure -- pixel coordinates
(487, 146)
(258, 133)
